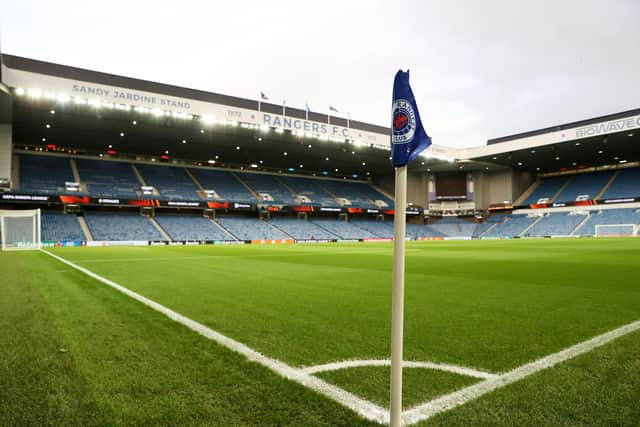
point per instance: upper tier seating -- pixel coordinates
(302, 229)
(512, 226)
(584, 184)
(251, 228)
(626, 184)
(58, 226)
(312, 188)
(547, 189)
(224, 183)
(360, 194)
(44, 174)
(121, 226)
(173, 183)
(269, 184)
(555, 224)
(190, 227)
(608, 216)
(344, 229)
(108, 179)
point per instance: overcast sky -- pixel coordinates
(479, 69)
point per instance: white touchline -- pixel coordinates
(362, 407)
(461, 370)
(460, 397)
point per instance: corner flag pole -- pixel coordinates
(397, 295)
(408, 139)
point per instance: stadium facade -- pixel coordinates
(199, 165)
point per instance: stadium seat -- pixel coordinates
(269, 184)
(108, 178)
(44, 174)
(190, 227)
(224, 184)
(302, 229)
(173, 183)
(245, 228)
(586, 184)
(58, 226)
(626, 184)
(121, 226)
(547, 189)
(555, 224)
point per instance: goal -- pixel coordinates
(616, 230)
(20, 229)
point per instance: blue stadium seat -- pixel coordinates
(302, 229)
(311, 188)
(121, 226)
(224, 183)
(625, 185)
(173, 183)
(245, 228)
(58, 226)
(512, 226)
(361, 194)
(190, 227)
(269, 184)
(609, 216)
(344, 229)
(547, 189)
(584, 184)
(108, 178)
(44, 174)
(555, 224)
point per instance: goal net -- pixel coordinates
(616, 230)
(20, 229)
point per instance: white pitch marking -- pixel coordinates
(444, 403)
(461, 370)
(362, 407)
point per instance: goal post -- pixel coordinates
(20, 229)
(616, 230)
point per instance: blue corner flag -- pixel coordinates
(408, 138)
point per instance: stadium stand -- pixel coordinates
(121, 226)
(555, 224)
(344, 229)
(360, 194)
(626, 184)
(173, 183)
(451, 227)
(224, 184)
(44, 174)
(484, 227)
(245, 228)
(302, 229)
(190, 227)
(58, 226)
(586, 184)
(608, 216)
(269, 184)
(312, 188)
(382, 229)
(108, 179)
(512, 226)
(547, 189)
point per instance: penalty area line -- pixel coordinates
(362, 407)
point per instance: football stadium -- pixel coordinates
(172, 256)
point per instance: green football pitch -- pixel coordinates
(282, 322)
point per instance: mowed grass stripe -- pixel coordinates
(331, 302)
(80, 353)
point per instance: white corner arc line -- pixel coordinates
(460, 370)
(444, 403)
(362, 407)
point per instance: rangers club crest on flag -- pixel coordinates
(404, 122)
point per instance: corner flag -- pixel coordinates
(408, 139)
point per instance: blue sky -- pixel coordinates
(479, 69)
